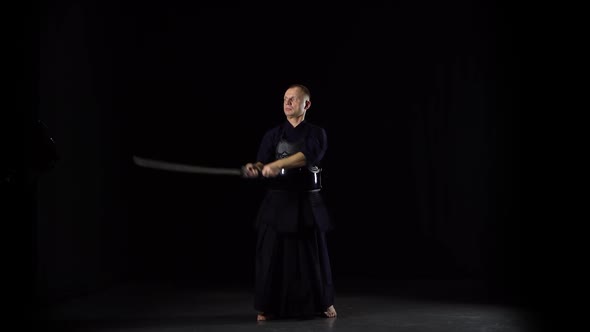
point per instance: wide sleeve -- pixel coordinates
(315, 146)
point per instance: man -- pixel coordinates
(293, 272)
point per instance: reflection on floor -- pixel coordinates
(367, 307)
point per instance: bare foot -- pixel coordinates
(262, 317)
(330, 312)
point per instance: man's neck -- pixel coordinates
(296, 120)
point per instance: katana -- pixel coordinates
(184, 168)
(307, 179)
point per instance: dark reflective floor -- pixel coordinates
(456, 306)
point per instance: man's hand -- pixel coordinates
(270, 170)
(251, 170)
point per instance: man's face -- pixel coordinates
(294, 103)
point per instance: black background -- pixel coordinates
(420, 101)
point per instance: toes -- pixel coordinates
(263, 316)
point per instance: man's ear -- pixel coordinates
(307, 104)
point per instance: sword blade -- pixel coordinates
(184, 168)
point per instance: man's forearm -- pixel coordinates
(293, 161)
